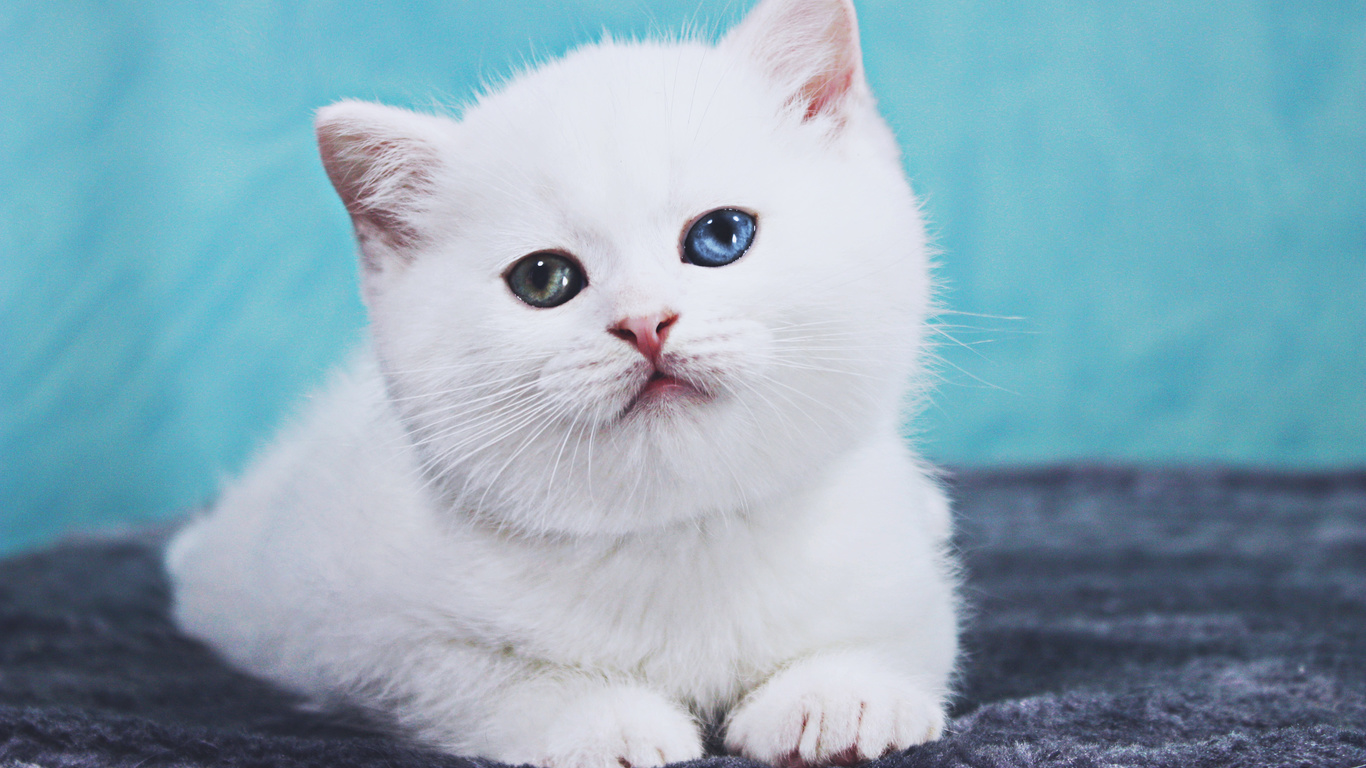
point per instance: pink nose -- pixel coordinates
(646, 333)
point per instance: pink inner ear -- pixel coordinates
(811, 46)
(840, 48)
(826, 90)
(347, 176)
(375, 179)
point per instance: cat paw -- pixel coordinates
(625, 728)
(820, 715)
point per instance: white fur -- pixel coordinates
(470, 532)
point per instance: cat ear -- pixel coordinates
(810, 47)
(383, 162)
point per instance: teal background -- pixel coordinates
(1152, 214)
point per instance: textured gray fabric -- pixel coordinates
(1121, 617)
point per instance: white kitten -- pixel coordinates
(622, 455)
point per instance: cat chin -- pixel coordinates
(652, 454)
(653, 470)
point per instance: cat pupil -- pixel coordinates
(540, 276)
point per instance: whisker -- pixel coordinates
(979, 380)
(1012, 318)
(968, 347)
(528, 441)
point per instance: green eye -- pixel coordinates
(546, 279)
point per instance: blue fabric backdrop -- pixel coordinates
(1154, 214)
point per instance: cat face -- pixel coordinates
(645, 283)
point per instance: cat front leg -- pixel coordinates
(620, 727)
(835, 708)
(563, 721)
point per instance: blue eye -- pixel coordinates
(718, 238)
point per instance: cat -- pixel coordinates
(620, 459)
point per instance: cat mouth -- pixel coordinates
(661, 384)
(660, 389)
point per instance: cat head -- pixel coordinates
(645, 283)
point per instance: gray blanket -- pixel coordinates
(1120, 617)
